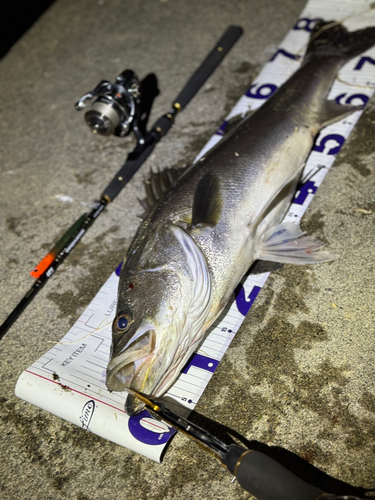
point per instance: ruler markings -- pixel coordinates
(100, 313)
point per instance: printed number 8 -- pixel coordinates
(305, 24)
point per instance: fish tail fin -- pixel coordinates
(332, 39)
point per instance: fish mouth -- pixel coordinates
(133, 405)
(130, 368)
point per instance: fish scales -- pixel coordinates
(221, 215)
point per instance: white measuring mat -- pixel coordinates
(69, 380)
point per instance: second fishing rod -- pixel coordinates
(121, 108)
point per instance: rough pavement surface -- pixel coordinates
(298, 381)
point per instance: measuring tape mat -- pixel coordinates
(69, 380)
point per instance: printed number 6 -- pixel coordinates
(364, 98)
(263, 92)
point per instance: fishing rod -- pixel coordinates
(121, 108)
(256, 472)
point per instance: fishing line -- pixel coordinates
(351, 84)
(335, 23)
(100, 327)
(312, 174)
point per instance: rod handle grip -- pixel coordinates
(267, 479)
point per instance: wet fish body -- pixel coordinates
(225, 212)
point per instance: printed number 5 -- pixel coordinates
(339, 139)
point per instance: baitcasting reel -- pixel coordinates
(119, 108)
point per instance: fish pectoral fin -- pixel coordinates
(208, 201)
(283, 244)
(332, 112)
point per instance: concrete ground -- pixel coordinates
(298, 380)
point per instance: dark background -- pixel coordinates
(16, 17)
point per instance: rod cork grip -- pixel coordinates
(208, 66)
(266, 479)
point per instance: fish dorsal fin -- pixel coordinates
(332, 112)
(157, 184)
(235, 121)
(283, 191)
(208, 201)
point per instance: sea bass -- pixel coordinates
(197, 242)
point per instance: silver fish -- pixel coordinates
(222, 214)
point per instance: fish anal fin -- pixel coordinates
(284, 191)
(333, 112)
(208, 202)
(263, 266)
(283, 244)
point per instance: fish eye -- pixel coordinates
(122, 323)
